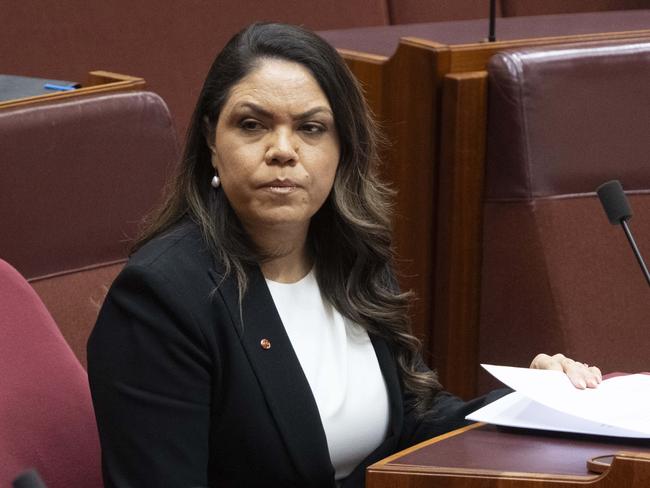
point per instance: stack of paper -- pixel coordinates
(547, 400)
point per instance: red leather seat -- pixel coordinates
(545, 7)
(46, 415)
(557, 277)
(78, 176)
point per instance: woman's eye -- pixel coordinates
(250, 125)
(313, 128)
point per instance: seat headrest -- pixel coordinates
(564, 119)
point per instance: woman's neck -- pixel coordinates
(287, 259)
(287, 269)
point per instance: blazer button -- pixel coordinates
(265, 343)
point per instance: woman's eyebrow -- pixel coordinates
(313, 111)
(255, 108)
(265, 113)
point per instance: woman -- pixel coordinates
(257, 337)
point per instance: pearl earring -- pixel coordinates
(215, 181)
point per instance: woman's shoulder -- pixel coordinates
(177, 261)
(180, 247)
(175, 267)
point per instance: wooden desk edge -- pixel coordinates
(362, 56)
(417, 41)
(504, 44)
(645, 456)
(385, 466)
(104, 81)
(482, 473)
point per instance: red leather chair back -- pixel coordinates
(409, 11)
(78, 176)
(557, 277)
(512, 8)
(46, 415)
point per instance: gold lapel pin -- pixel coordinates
(265, 343)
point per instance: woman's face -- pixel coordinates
(275, 146)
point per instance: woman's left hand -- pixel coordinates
(581, 374)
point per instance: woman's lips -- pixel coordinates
(280, 186)
(281, 189)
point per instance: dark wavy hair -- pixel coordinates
(350, 237)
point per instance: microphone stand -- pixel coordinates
(637, 253)
(493, 15)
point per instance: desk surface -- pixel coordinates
(383, 40)
(486, 447)
(97, 82)
(485, 450)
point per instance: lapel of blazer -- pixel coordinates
(388, 368)
(281, 378)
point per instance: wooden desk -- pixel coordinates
(431, 99)
(480, 456)
(97, 82)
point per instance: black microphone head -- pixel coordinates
(614, 201)
(28, 479)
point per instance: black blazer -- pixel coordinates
(186, 396)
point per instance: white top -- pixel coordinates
(341, 366)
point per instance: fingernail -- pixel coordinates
(582, 383)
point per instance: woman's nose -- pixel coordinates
(282, 148)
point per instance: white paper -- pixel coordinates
(545, 399)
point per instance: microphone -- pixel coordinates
(618, 211)
(28, 479)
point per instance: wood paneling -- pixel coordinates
(458, 233)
